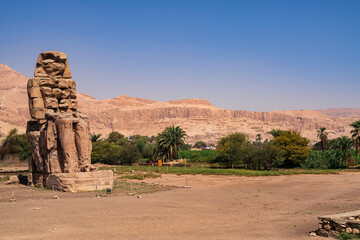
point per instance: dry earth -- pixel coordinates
(200, 119)
(215, 207)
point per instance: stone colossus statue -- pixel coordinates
(59, 135)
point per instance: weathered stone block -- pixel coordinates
(73, 104)
(63, 83)
(37, 103)
(65, 93)
(80, 181)
(34, 92)
(33, 82)
(13, 180)
(73, 93)
(71, 84)
(48, 82)
(37, 113)
(56, 92)
(51, 102)
(64, 103)
(46, 91)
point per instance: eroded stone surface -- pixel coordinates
(332, 225)
(80, 181)
(58, 134)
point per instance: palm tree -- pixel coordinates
(95, 137)
(169, 142)
(343, 145)
(323, 135)
(355, 134)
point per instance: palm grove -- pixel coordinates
(287, 149)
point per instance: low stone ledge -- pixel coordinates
(332, 225)
(80, 181)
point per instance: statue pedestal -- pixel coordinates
(80, 181)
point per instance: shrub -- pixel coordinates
(129, 154)
(140, 142)
(111, 153)
(200, 144)
(148, 151)
(115, 137)
(229, 149)
(294, 146)
(323, 160)
(198, 156)
(262, 156)
(342, 147)
(15, 143)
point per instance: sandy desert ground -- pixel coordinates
(215, 207)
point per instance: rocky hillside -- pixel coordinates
(200, 119)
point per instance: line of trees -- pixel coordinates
(287, 149)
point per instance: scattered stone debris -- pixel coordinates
(332, 225)
(55, 197)
(12, 200)
(131, 194)
(13, 180)
(139, 196)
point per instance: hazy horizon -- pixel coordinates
(240, 55)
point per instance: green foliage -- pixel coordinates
(258, 138)
(186, 147)
(129, 154)
(95, 137)
(230, 149)
(213, 171)
(140, 142)
(323, 135)
(294, 146)
(169, 142)
(148, 150)
(204, 156)
(262, 156)
(346, 236)
(115, 137)
(15, 143)
(275, 132)
(342, 148)
(200, 144)
(317, 146)
(111, 153)
(323, 160)
(355, 134)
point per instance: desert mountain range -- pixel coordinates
(200, 119)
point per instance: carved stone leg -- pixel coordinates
(83, 145)
(66, 137)
(33, 136)
(52, 149)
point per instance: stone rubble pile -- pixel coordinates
(332, 225)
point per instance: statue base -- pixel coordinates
(79, 181)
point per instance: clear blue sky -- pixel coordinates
(247, 55)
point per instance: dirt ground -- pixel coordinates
(215, 207)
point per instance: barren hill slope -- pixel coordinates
(200, 119)
(342, 112)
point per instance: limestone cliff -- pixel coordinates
(200, 119)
